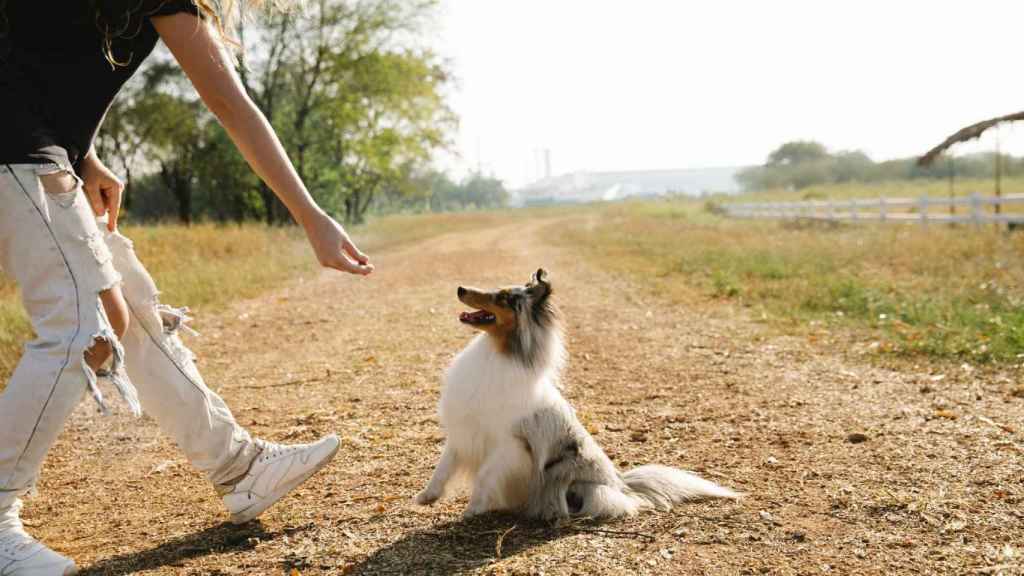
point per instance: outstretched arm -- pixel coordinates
(205, 62)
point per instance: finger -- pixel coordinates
(92, 193)
(343, 264)
(113, 198)
(354, 252)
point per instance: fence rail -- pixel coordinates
(971, 209)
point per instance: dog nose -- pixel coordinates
(462, 291)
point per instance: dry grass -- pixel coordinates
(207, 266)
(402, 229)
(935, 291)
(204, 266)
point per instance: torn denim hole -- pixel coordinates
(175, 320)
(113, 371)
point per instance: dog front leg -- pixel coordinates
(502, 482)
(439, 481)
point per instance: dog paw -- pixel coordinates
(473, 511)
(425, 498)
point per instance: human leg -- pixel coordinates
(250, 474)
(50, 245)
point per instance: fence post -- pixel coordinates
(975, 209)
(831, 211)
(882, 208)
(924, 210)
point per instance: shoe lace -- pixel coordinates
(271, 451)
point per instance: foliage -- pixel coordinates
(801, 164)
(797, 152)
(358, 102)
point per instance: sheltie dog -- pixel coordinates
(510, 431)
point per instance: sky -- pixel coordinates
(673, 84)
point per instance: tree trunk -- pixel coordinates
(126, 196)
(269, 203)
(181, 187)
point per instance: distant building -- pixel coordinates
(608, 186)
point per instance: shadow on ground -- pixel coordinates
(225, 537)
(457, 547)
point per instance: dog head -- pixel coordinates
(522, 320)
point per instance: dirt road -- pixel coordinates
(934, 485)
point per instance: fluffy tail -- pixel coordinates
(661, 487)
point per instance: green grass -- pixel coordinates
(935, 291)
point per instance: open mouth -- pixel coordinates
(476, 318)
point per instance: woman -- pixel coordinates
(90, 300)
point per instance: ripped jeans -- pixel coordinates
(51, 245)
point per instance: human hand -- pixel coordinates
(334, 248)
(102, 188)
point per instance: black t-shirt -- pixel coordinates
(56, 82)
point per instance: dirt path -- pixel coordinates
(937, 487)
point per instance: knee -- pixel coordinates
(116, 309)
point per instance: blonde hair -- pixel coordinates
(221, 14)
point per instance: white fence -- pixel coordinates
(972, 209)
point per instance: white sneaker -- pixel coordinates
(23, 555)
(278, 470)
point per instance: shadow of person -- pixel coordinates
(458, 546)
(224, 537)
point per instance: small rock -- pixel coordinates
(798, 536)
(856, 438)
(766, 516)
(772, 461)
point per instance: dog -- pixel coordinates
(512, 433)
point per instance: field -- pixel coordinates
(935, 292)
(892, 189)
(836, 376)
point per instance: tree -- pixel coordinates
(797, 152)
(356, 100)
(354, 107)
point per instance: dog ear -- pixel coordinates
(541, 277)
(541, 282)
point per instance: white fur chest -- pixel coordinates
(485, 393)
